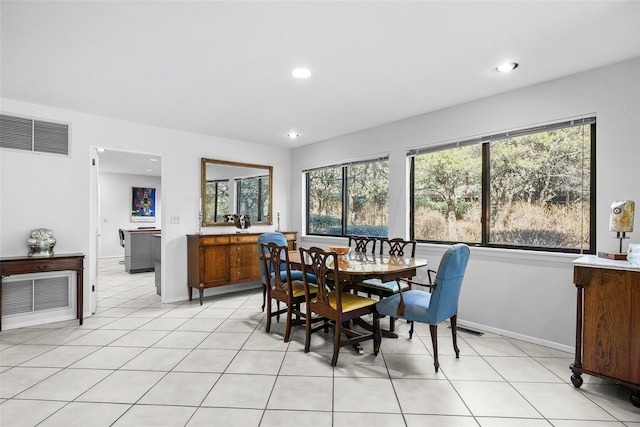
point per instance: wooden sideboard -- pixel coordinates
(224, 259)
(26, 265)
(608, 322)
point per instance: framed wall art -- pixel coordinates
(143, 204)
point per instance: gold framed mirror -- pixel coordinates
(233, 188)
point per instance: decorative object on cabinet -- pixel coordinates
(232, 188)
(143, 204)
(607, 322)
(633, 254)
(41, 242)
(620, 221)
(242, 221)
(224, 259)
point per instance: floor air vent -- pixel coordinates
(470, 331)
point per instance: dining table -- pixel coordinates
(358, 266)
(355, 267)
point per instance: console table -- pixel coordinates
(607, 322)
(25, 265)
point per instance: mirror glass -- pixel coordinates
(230, 188)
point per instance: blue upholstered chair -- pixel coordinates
(436, 306)
(281, 240)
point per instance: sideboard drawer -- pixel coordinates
(214, 240)
(245, 238)
(242, 274)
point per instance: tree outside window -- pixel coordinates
(349, 199)
(217, 200)
(253, 197)
(533, 192)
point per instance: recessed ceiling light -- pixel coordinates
(149, 170)
(293, 135)
(153, 160)
(301, 73)
(506, 67)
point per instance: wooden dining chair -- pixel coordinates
(282, 288)
(281, 240)
(374, 285)
(363, 244)
(333, 305)
(436, 306)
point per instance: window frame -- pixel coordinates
(344, 188)
(486, 188)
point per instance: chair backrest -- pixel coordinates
(275, 257)
(318, 263)
(448, 282)
(274, 237)
(398, 247)
(363, 244)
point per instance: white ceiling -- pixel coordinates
(223, 67)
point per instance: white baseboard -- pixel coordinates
(511, 334)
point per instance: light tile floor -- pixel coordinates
(138, 362)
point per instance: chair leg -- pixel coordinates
(377, 334)
(392, 324)
(278, 311)
(433, 329)
(287, 333)
(336, 343)
(411, 330)
(454, 333)
(268, 325)
(307, 341)
(264, 295)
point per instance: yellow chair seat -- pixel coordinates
(350, 301)
(298, 288)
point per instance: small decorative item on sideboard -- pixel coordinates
(620, 221)
(633, 254)
(41, 242)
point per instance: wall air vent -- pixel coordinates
(22, 133)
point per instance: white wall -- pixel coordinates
(520, 293)
(57, 192)
(115, 208)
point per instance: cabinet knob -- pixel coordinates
(238, 249)
(237, 239)
(238, 274)
(215, 240)
(237, 260)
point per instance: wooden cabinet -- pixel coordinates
(224, 259)
(608, 322)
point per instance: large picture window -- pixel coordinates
(528, 189)
(349, 199)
